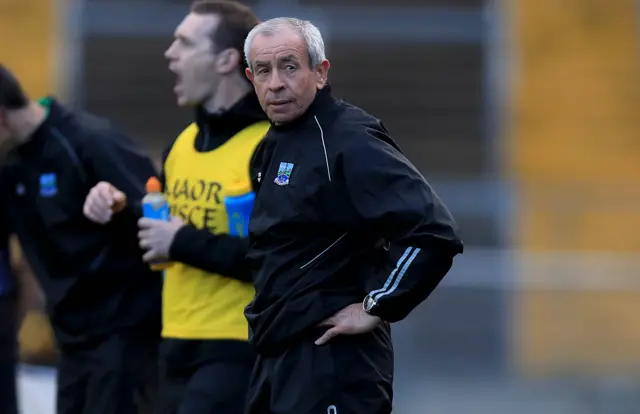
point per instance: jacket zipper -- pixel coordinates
(322, 253)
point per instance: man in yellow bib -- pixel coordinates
(205, 357)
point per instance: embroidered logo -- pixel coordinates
(259, 176)
(284, 173)
(20, 189)
(48, 185)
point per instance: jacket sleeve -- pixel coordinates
(113, 157)
(392, 198)
(216, 253)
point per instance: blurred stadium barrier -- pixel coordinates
(30, 34)
(575, 155)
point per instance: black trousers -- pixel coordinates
(8, 354)
(204, 376)
(348, 375)
(117, 375)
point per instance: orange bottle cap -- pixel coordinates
(153, 185)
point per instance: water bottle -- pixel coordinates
(156, 207)
(238, 203)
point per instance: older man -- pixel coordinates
(346, 236)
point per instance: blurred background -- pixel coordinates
(521, 113)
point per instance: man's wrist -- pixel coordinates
(179, 242)
(370, 306)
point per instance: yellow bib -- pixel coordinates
(197, 304)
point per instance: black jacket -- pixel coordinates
(340, 213)
(7, 278)
(222, 254)
(93, 275)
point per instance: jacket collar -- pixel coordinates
(244, 112)
(323, 103)
(56, 113)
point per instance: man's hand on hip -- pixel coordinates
(156, 237)
(102, 202)
(352, 320)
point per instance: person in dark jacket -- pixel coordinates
(346, 237)
(8, 327)
(206, 358)
(102, 299)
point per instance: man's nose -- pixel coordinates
(169, 53)
(275, 83)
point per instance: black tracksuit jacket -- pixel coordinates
(340, 214)
(93, 275)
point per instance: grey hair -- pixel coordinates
(309, 32)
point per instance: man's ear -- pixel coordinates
(249, 74)
(322, 73)
(228, 61)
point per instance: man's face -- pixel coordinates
(192, 58)
(281, 76)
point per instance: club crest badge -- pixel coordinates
(48, 185)
(284, 173)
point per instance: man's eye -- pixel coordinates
(262, 71)
(290, 67)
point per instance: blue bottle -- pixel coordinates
(155, 206)
(239, 203)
